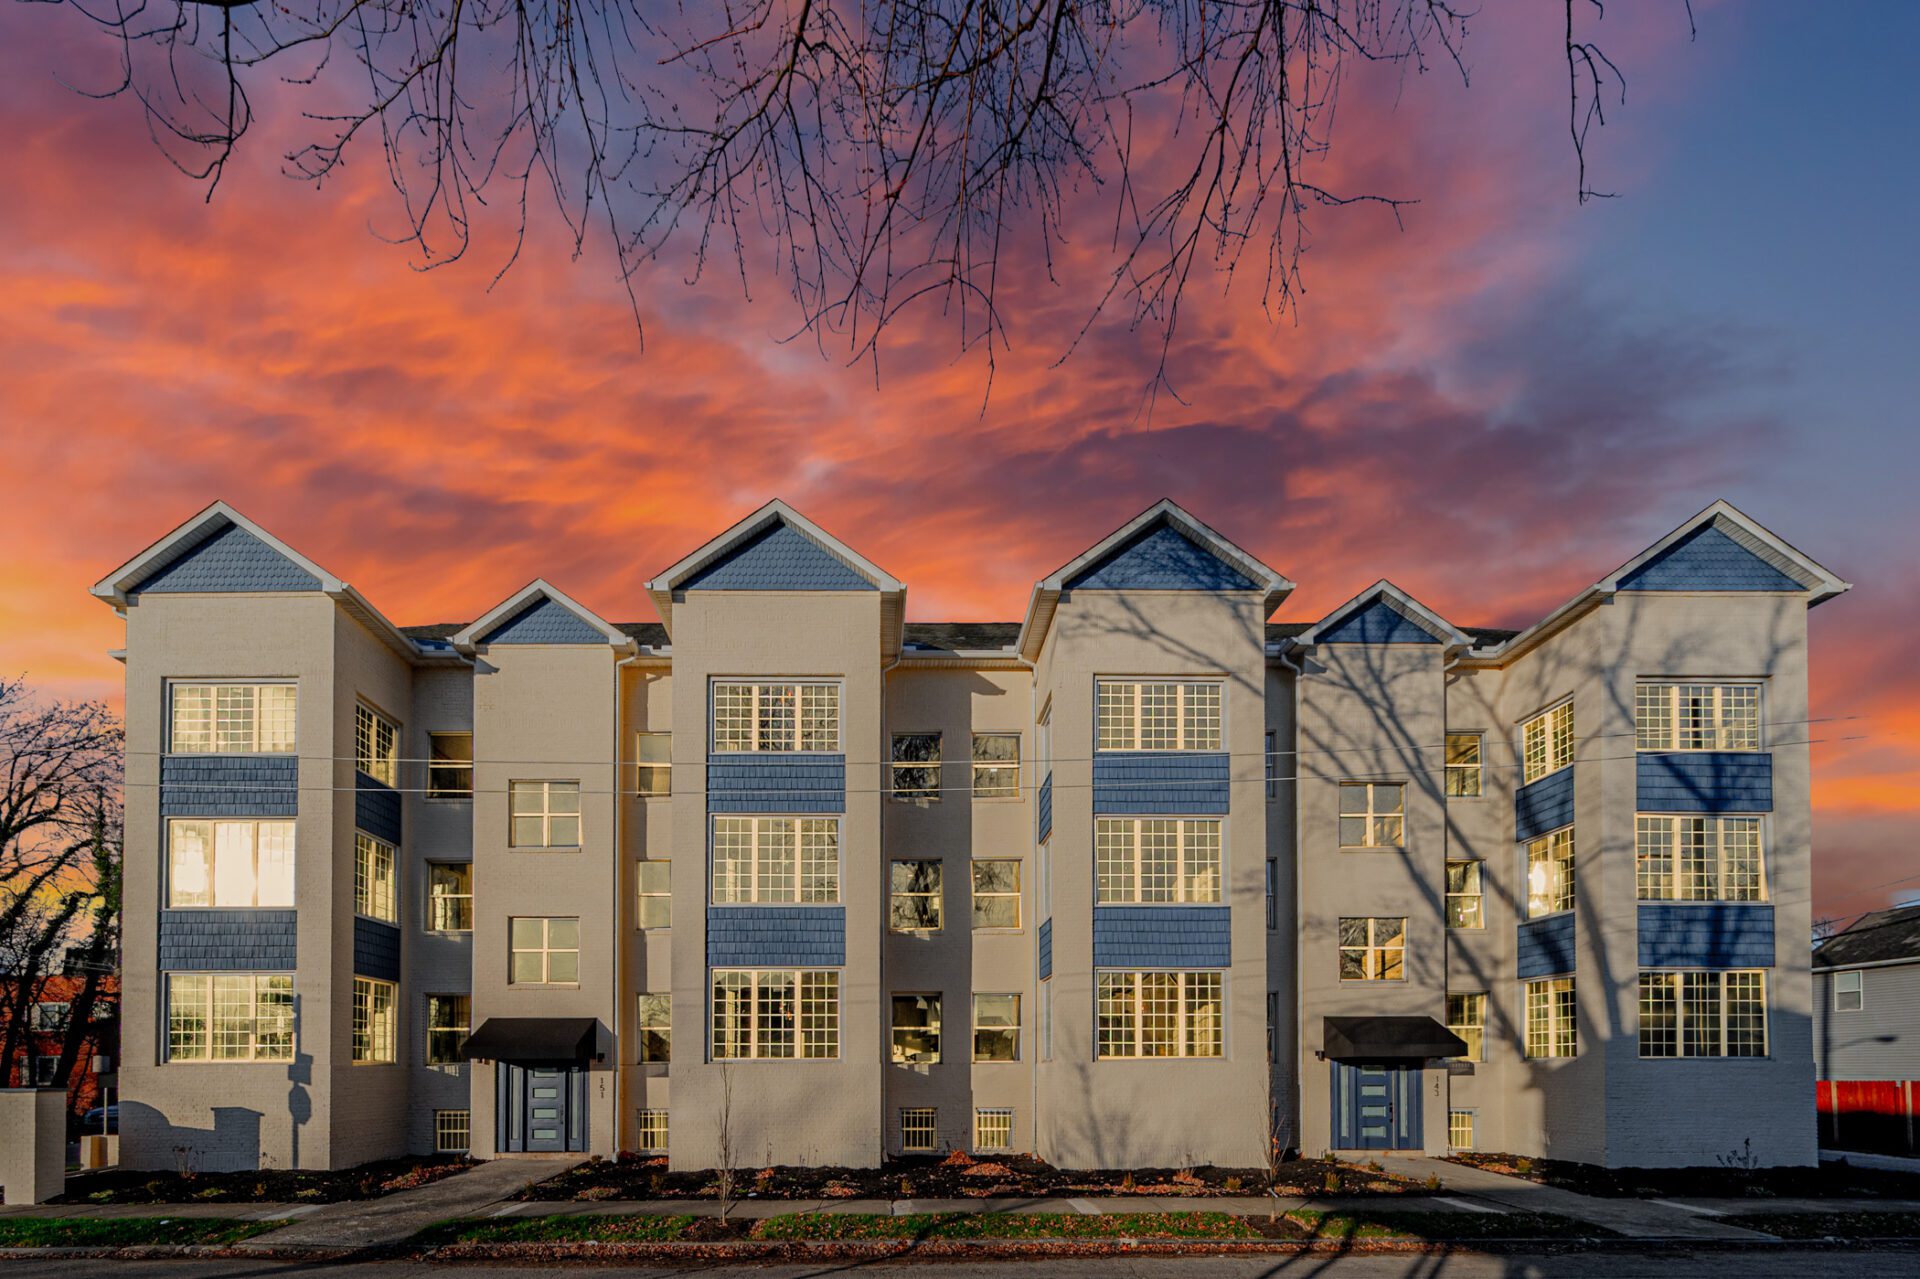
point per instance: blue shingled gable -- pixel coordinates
(1161, 558)
(1707, 560)
(544, 621)
(1377, 623)
(779, 558)
(228, 559)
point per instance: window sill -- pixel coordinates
(544, 848)
(376, 919)
(1555, 914)
(467, 798)
(998, 932)
(998, 799)
(444, 932)
(1373, 848)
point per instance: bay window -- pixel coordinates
(775, 1014)
(776, 716)
(1546, 742)
(1160, 1014)
(1550, 873)
(776, 859)
(229, 864)
(1157, 716)
(1699, 859)
(231, 719)
(1703, 1014)
(1696, 717)
(229, 1016)
(1157, 859)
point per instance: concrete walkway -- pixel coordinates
(366, 1222)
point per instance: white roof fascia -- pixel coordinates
(467, 640)
(1400, 602)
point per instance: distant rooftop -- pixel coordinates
(1874, 938)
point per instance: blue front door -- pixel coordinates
(541, 1107)
(1376, 1107)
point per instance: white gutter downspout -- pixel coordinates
(620, 934)
(1299, 964)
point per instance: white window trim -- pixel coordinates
(173, 684)
(756, 977)
(938, 896)
(1573, 860)
(758, 683)
(1457, 1027)
(364, 843)
(1182, 1027)
(253, 824)
(1479, 895)
(1019, 1027)
(938, 764)
(391, 1020)
(1181, 682)
(1478, 768)
(1544, 718)
(1763, 827)
(1183, 830)
(1371, 814)
(1371, 948)
(1526, 1016)
(997, 1112)
(449, 796)
(433, 897)
(546, 950)
(428, 1029)
(254, 1055)
(546, 814)
(641, 1126)
(641, 895)
(1680, 1015)
(757, 823)
(1012, 796)
(927, 1120)
(653, 767)
(1673, 685)
(1018, 895)
(1473, 1127)
(1859, 991)
(384, 770)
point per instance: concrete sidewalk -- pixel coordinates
(393, 1218)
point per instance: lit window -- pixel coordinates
(232, 719)
(1552, 1025)
(996, 765)
(222, 864)
(1463, 895)
(1467, 1018)
(1700, 859)
(775, 1013)
(653, 754)
(992, 1128)
(1373, 815)
(376, 745)
(916, 1030)
(776, 859)
(656, 1026)
(1159, 1014)
(1849, 992)
(656, 894)
(1550, 873)
(996, 1028)
(1158, 717)
(449, 765)
(776, 717)
(450, 897)
(1373, 948)
(373, 887)
(449, 1018)
(1272, 758)
(1697, 717)
(1273, 895)
(915, 770)
(544, 814)
(543, 952)
(1463, 765)
(914, 904)
(996, 893)
(452, 1131)
(653, 1132)
(919, 1128)
(375, 1018)
(1460, 1129)
(1546, 742)
(1157, 859)
(1703, 1014)
(229, 1016)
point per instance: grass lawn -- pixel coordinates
(586, 1227)
(124, 1232)
(1314, 1224)
(1831, 1225)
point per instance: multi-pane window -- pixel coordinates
(241, 863)
(914, 897)
(996, 1028)
(916, 1029)
(915, 767)
(1551, 1021)
(1849, 992)
(376, 1019)
(544, 814)
(1546, 742)
(543, 951)
(996, 765)
(653, 1132)
(1463, 765)
(1157, 716)
(1703, 1014)
(230, 1017)
(656, 894)
(776, 859)
(449, 765)
(919, 1128)
(775, 1013)
(450, 897)
(1157, 859)
(789, 716)
(1467, 1018)
(1159, 1014)
(1273, 895)
(373, 879)
(1550, 873)
(1696, 717)
(232, 719)
(50, 1017)
(1464, 895)
(992, 1128)
(1272, 762)
(452, 1131)
(449, 1018)
(653, 757)
(1373, 814)
(996, 893)
(1460, 1129)
(1700, 859)
(1373, 948)
(376, 745)
(656, 1026)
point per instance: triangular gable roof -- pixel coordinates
(539, 613)
(1162, 558)
(1878, 937)
(1384, 614)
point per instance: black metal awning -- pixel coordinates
(530, 1039)
(1377, 1038)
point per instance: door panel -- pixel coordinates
(540, 1108)
(1375, 1107)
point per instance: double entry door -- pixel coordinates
(1376, 1106)
(540, 1107)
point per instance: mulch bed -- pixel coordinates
(1828, 1181)
(368, 1181)
(1831, 1225)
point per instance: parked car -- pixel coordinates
(90, 1125)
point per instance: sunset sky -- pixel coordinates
(1491, 406)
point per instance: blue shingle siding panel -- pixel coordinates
(1376, 623)
(1544, 947)
(376, 949)
(230, 559)
(544, 621)
(241, 941)
(1161, 558)
(1044, 816)
(229, 786)
(781, 558)
(772, 783)
(1706, 782)
(776, 936)
(376, 808)
(1161, 937)
(1543, 805)
(1046, 949)
(1148, 782)
(1707, 560)
(1706, 935)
